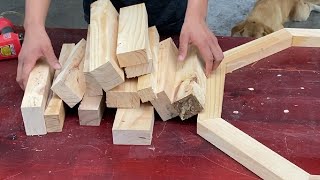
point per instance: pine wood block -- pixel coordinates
(70, 83)
(305, 37)
(167, 66)
(190, 86)
(124, 95)
(35, 98)
(93, 88)
(133, 126)
(147, 83)
(133, 36)
(248, 151)
(54, 114)
(91, 110)
(103, 64)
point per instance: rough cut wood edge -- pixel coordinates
(70, 84)
(305, 37)
(104, 65)
(91, 110)
(147, 83)
(133, 126)
(133, 35)
(190, 86)
(249, 152)
(258, 49)
(93, 88)
(35, 98)
(214, 94)
(54, 114)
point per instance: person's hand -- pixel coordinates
(36, 45)
(196, 32)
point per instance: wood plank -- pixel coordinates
(70, 83)
(54, 114)
(133, 126)
(104, 65)
(249, 152)
(91, 110)
(214, 94)
(35, 98)
(93, 88)
(133, 35)
(256, 50)
(305, 37)
(167, 65)
(147, 83)
(190, 86)
(124, 95)
(314, 177)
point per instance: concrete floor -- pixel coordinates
(222, 16)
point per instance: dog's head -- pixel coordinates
(250, 29)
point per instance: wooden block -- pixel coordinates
(35, 98)
(103, 64)
(190, 86)
(305, 37)
(167, 66)
(248, 151)
(54, 114)
(133, 126)
(93, 88)
(214, 94)
(124, 95)
(133, 35)
(70, 84)
(314, 177)
(147, 83)
(91, 110)
(253, 51)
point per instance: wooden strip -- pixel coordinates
(104, 65)
(91, 110)
(190, 86)
(305, 37)
(93, 88)
(258, 49)
(133, 35)
(147, 83)
(70, 84)
(35, 98)
(54, 114)
(124, 95)
(167, 65)
(314, 177)
(133, 126)
(248, 151)
(214, 94)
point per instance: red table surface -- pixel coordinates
(288, 80)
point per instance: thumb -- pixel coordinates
(183, 46)
(51, 58)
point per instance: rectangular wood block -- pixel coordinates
(35, 98)
(91, 110)
(124, 95)
(133, 126)
(103, 64)
(70, 83)
(133, 36)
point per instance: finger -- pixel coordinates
(216, 51)
(183, 46)
(27, 68)
(206, 54)
(19, 74)
(51, 57)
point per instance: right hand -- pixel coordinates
(36, 45)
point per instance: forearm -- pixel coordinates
(35, 13)
(197, 9)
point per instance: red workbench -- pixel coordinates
(289, 80)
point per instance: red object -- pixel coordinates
(177, 152)
(10, 44)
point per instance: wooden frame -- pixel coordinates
(246, 150)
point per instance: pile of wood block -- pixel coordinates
(122, 65)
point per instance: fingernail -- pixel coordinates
(180, 58)
(57, 66)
